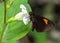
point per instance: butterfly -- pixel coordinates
(40, 23)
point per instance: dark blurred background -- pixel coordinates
(1, 0)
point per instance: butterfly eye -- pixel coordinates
(46, 21)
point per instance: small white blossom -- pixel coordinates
(23, 15)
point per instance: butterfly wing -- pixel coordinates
(41, 24)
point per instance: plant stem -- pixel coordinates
(4, 25)
(4, 11)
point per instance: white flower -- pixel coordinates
(23, 15)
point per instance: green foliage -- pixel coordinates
(39, 37)
(17, 29)
(10, 41)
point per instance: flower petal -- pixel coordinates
(26, 20)
(20, 16)
(23, 8)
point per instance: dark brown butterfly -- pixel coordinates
(40, 23)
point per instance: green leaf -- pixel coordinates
(40, 37)
(12, 41)
(17, 29)
(1, 17)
